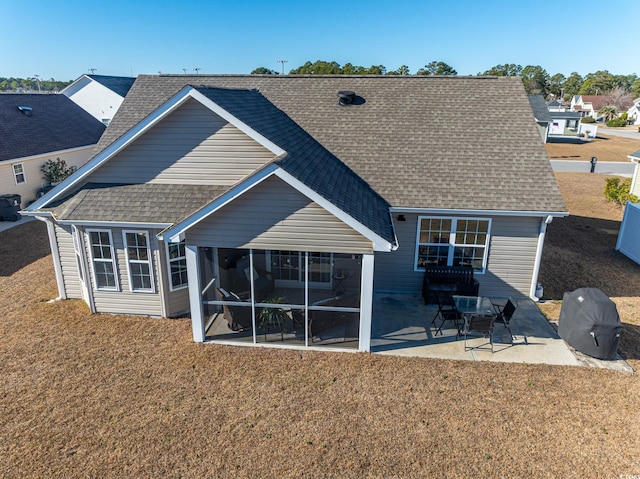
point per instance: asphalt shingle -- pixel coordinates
(418, 141)
(54, 123)
(148, 203)
(119, 85)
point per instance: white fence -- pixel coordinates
(629, 235)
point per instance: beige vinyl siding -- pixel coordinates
(31, 166)
(512, 253)
(273, 215)
(125, 301)
(177, 302)
(68, 261)
(193, 146)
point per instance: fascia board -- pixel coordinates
(457, 212)
(175, 233)
(126, 139)
(379, 243)
(49, 153)
(246, 129)
(169, 106)
(75, 85)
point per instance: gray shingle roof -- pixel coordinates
(636, 154)
(148, 203)
(418, 141)
(56, 123)
(565, 115)
(539, 108)
(119, 85)
(306, 159)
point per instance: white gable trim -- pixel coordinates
(145, 125)
(243, 127)
(177, 232)
(379, 243)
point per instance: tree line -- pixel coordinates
(536, 80)
(33, 84)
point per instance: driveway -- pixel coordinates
(633, 134)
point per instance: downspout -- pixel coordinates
(536, 267)
(55, 254)
(395, 244)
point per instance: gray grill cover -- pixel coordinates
(589, 322)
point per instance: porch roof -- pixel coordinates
(145, 203)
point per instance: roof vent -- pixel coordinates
(346, 98)
(27, 110)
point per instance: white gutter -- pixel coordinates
(536, 265)
(459, 212)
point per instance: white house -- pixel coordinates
(633, 113)
(100, 95)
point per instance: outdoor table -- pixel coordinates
(470, 305)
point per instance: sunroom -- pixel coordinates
(300, 298)
(276, 264)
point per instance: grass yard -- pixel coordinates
(605, 147)
(113, 396)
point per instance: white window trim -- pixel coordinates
(15, 175)
(149, 261)
(452, 239)
(169, 260)
(93, 260)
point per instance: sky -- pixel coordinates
(127, 38)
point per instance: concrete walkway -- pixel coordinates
(5, 225)
(401, 327)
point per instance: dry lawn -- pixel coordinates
(604, 147)
(86, 395)
(580, 252)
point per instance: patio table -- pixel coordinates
(469, 305)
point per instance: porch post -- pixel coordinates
(195, 298)
(366, 302)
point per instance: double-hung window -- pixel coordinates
(177, 260)
(453, 242)
(136, 245)
(103, 260)
(18, 173)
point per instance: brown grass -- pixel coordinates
(605, 147)
(86, 395)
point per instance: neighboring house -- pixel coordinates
(633, 113)
(555, 105)
(35, 128)
(100, 95)
(262, 204)
(541, 114)
(629, 234)
(589, 105)
(635, 182)
(564, 123)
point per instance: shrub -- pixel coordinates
(587, 119)
(54, 171)
(616, 122)
(618, 191)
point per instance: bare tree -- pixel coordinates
(621, 98)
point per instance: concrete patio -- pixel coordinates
(401, 327)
